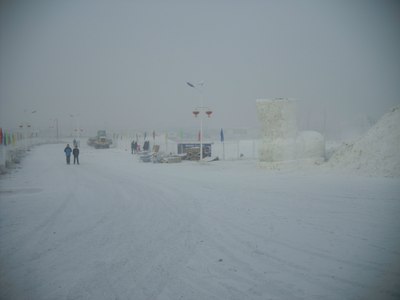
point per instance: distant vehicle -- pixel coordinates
(100, 141)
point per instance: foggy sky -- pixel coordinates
(125, 64)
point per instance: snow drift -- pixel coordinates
(377, 153)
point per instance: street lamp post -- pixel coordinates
(200, 110)
(57, 133)
(77, 129)
(27, 126)
(55, 121)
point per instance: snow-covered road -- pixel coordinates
(116, 228)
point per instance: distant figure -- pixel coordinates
(132, 146)
(146, 146)
(68, 151)
(75, 152)
(75, 143)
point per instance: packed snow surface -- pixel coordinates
(377, 153)
(116, 228)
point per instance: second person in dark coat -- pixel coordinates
(75, 152)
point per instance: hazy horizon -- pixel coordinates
(125, 64)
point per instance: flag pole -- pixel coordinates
(223, 143)
(223, 150)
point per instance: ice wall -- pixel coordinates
(278, 118)
(281, 140)
(278, 129)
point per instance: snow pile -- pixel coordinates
(310, 145)
(377, 153)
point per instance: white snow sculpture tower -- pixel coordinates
(279, 129)
(281, 141)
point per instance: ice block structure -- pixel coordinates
(281, 141)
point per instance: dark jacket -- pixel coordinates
(75, 152)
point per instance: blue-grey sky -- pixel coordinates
(124, 64)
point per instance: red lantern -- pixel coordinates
(209, 112)
(195, 112)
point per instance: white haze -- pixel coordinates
(123, 65)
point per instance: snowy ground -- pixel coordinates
(116, 228)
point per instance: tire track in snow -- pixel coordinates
(160, 229)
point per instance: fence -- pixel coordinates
(229, 150)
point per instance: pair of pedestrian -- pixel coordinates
(74, 152)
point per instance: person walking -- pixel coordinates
(75, 152)
(68, 151)
(132, 146)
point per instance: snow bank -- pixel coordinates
(377, 153)
(310, 145)
(12, 154)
